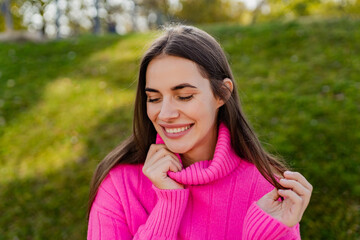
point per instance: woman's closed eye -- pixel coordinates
(181, 98)
(153, 99)
(186, 98)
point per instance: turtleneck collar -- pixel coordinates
(224, 161)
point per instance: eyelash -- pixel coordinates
(187, 98)
(152, 100)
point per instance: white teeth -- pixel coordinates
(176, 130)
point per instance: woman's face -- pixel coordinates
(181, 105)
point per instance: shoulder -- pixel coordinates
(126, 170)
(120, 176)
(123, 176)
(120, 179)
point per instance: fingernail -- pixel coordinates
(288, 172)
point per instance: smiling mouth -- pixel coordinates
(177, 130)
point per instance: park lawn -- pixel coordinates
(65, 104)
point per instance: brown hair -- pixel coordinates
(198, 46)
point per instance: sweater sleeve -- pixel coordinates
(259, 225)
(107, 218)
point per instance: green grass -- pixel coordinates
(64, 105)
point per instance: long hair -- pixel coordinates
(198, 46)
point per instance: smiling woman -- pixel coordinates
(183, 108)
(193, 168)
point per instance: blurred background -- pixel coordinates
(46, 19)
(68, 74)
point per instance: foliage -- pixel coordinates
(280, 9)
(69, 18)
(194, 11)
(16, 18)
(65, 104)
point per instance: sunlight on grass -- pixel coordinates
(62, 120)
(128, 50)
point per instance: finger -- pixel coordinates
(155, 154)
(299, 189)
(149, 161)
(157, 169)
(175, 165)
(154, 148)
(157, 165)
(298, 177)
(273, 194)
(163, 165)
(176, 162)
(295, 186)
(163, 152)
(293, 197)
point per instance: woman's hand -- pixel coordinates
(296, 199)
(159, 161)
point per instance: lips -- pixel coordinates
(176, 130)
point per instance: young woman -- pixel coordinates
(193, 167)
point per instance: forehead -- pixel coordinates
(168, 71)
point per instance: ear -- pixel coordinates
(230, 86)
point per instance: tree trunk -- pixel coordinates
(134, 18)
(5, 8)
(256, 11)
(96, 19)
(57, 23)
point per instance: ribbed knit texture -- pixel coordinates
(224, 161)
(218, 202)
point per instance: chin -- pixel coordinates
(177, 148)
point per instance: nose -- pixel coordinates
(168, 111)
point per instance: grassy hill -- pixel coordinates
(64, 105)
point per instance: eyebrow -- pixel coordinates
(177, 87)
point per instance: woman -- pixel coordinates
(193, 168)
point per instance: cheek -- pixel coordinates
(151, 111)
(193, 110)
(204, 109)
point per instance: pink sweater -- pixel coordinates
(218, 202)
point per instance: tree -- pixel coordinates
(96, 18)
(257, 11)
(6, 10)
(203, 11)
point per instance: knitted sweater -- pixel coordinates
(218, 202)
